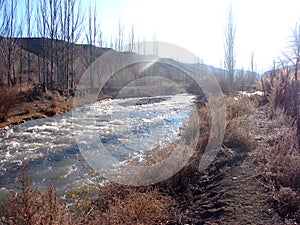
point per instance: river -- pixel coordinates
(125, 127)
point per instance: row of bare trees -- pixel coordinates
(56, 25)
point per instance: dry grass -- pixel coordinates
(280, 162)
(284, 94)
(110, 204)
(265, 85)
(29, 206)
(120, 204)
(238, 108)
(287, 202)
(237, 134)
(149, 207)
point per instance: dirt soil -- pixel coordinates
(229, 191)
(35, 104)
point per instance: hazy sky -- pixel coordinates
(198, 25)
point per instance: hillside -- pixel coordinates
(68, 61)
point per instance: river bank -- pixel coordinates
(229, 191)
(34, 104)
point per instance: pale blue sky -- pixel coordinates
(263, 26)
(198, 25)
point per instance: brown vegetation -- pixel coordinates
(280, 162)
(32, 103)
(119, 204)
(7, 100)
(111, 204)
(237, 133)
(30, 206)
(280, 166)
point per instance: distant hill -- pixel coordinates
(42, 50)
(290, 68)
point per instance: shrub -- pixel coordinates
(237, 134)
(282, 159)
(149, 207)
(280, 162)
(120, 204)
(29, 206)
(280, 165)
(110, 204)
(266, 85)
(238, 108)
(284, 95)
(288, 201)
(7, 99)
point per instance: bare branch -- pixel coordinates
(229, 47)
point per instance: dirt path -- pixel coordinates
(229, 191)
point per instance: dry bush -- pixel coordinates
(288, 202)
(139, 208)
(224, 84)
(34, 93)
(93, 201)
(120, 204)
(280, 162)
(281, 165)
(238, 108)
(29, 206)
(266, 85)
(258, 100)
(109, 204)
(7, 99)
(284, 94)
(237, 134)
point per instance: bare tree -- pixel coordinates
(293, 54)
(62, 46)
(28, 20)
(252, 62)
(41, 17)
(253, 75)
(144, 44)
(2, 4)
(2, 26)
(131, 39)
(52, 25)
(76, 32)
(91, 37)
(120, 39)
(100, 41)
(229, 47)
(11, 32)
(155, 47)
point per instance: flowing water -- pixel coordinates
(125, 127)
